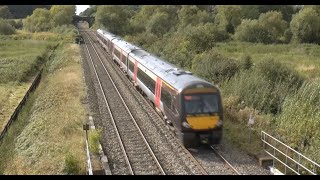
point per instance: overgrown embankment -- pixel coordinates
(20, 61)
(48, 138)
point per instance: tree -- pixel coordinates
(273, 22)
(6, 28)
(38, 21)
(22, 11)
(149, 15)
(250, 31)
(91, 11)
(249, 12)
(192, 15)
(62, 14)
(228, 17)
(5, 12)
(158, 24)
(269, 28)
(114, 18)
(286, 10)
(305, 26)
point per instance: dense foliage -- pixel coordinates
(6, 28)
(44, 20)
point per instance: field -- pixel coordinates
(303, 57)
(20, 60)
(48, 137)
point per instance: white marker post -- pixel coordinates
(250, 124)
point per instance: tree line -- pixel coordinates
(42, 18)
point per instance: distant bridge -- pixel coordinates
(88, 19)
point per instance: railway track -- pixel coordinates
(138, 156)
(184, 151)
(224, 160)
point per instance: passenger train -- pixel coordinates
(189, 105)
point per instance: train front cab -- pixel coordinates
(202, 115)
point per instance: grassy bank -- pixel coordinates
(20, 60)
(51, 141)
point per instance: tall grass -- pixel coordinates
(299, 123)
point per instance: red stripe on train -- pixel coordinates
(158, 92)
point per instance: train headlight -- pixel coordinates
(185, 124)
(220, 123)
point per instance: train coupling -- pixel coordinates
(204, 139)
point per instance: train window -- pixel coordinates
(146, 80)
(201, 103)
(117, 53)
(165, 96)
(124, 58)
(131, 66)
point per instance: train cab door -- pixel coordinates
(135, 71)
(158, 92)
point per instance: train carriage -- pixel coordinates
(188, 103)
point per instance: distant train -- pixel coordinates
(190, 105)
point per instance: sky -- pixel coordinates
(81, 8)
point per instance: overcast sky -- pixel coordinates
(81, 8)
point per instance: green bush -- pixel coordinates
(94, 141)
(256, 90)
(6, 28)
(275, 72)
(214, 67)
(246, 62)
(72, 165)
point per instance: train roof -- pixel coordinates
(177, 78)
(107, 34)
(172, 74)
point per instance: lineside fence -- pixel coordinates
(18, 109)
(290, 160)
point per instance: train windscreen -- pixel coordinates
(201, 103)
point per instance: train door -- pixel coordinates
(120, 60)
(158, 92)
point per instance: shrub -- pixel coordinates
(94, 141)
(6, 28)
(275, 72)
(246, 62)
(72, 165)
(214, 67)
(255, 90)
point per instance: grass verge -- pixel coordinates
(52, 140)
